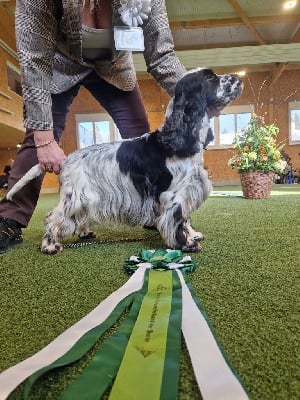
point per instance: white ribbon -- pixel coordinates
(215, 379)
(13, 376)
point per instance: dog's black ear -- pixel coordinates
(180, 133)
(195, 91)
(189, 96)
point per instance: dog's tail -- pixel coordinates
(34, 172)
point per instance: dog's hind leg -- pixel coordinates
(57, 225)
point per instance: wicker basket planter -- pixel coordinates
(256, 185)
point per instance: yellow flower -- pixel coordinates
(256, 147)
(262, 150)
(277, 155)
(252, 155)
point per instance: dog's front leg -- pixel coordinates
(85, 233)
(196, 236)
(174, 226)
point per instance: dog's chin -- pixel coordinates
(213, 112)
(216, 109)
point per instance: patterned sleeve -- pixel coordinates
(35, 35)
(161, 60)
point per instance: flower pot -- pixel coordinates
(256, 185)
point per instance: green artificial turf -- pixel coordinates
(247, 280)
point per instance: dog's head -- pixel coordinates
(214, 90)
(199, 95)
(207, 90)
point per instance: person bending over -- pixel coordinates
(63, 45)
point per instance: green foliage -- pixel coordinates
(256, 148)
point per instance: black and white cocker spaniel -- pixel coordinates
(155, 180)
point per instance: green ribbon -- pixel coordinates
(82, 346)
(173, 350)
(101, 370)
(143, 356)
(152, 353)
(160, 260)
(157, 307)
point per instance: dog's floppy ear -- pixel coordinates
(189, 94)
(180, 133)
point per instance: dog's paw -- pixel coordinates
(150, 227)
(198, 237)
(87, 235)
(193, 248)
(52, 249)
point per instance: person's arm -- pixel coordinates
(36, 27)
(161, 60)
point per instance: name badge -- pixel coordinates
(129, 38)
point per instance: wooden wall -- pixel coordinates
(272, 104)
(11, 105)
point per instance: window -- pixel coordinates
(95, 129)
(294, 122)
(232, 120)
(14, 79)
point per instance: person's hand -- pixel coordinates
(50, 155)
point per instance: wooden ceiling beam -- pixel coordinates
(222, 22)
(246, 21)
(276, 74)
(224, 70)
(213, 46)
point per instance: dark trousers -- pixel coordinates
(127, 111)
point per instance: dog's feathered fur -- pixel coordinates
(155, 180)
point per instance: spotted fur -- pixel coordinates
(156, 180)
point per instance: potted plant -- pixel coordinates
(257, 157)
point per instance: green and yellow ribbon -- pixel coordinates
(141, 358)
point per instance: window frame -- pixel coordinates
(13, 72)
(293, 105)
(215, 123)
(96, 117)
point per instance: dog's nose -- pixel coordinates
(239, 85)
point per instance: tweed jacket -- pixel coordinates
(49, 44)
